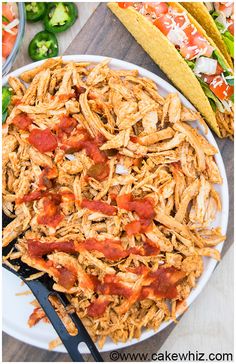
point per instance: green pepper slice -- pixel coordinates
(43, 45)
(60, 17)
(6, 99)
(35, 11)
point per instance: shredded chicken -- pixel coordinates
(111, 192)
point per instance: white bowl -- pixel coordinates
(16, 309)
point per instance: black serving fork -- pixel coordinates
(42, 290)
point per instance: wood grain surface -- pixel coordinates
(103, 34)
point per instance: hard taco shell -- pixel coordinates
(200, 13)
(168, 58)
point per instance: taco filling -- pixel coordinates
(208, 65)
(223, 15)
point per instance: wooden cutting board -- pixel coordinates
(104, 35)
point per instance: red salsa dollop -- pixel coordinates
(22, 121)
(43, 140)
(99, 206)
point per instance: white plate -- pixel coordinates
(16, 309)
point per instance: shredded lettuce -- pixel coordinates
(230, 81)
(229, 42)
(227, 37)
(191, 64)
(220, 26)
(214, 14)
(221, 61)
(214, 101)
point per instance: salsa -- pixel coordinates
(22, 121)
(111, 249)
(10, 24)
(43, 140)
(99, 206)
(97, 307)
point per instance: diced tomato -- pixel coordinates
(221, 89)
(187, 51)
(195, 44)
(209, 78)
(180, 20)
(190, 32)
(7, 11)
(124, 5)
(163, 23)
(231, 26)
(219, 69)
(43, 140)
(22, 121)
(157, 8)
(99, 206)
(8, 41)
(201, 43)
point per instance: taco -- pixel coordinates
(191, 60)
(217, 18)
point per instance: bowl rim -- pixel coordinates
(202, 281)
(22, 20)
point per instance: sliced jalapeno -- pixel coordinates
(35, 11)
(6, 99)
(43, 45)
(60, 17)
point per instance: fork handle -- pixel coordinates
(70, 342)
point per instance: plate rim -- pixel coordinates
(225, 196)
